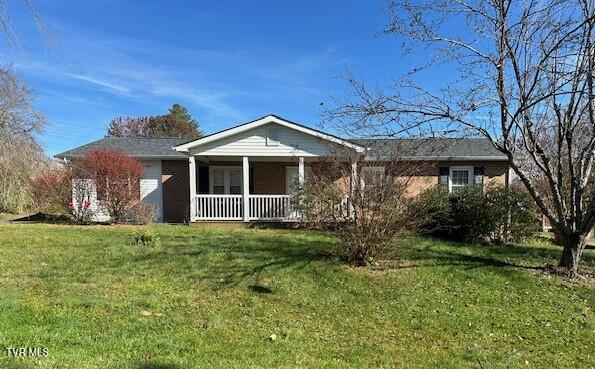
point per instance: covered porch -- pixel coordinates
(251, 172)
(245, 188)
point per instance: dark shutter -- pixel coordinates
(478, 176)
(203, 180)
(443, 177)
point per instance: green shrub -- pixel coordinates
(429, 211)
(146, 236)
(513, 214)
(470, 216)
(499, 214)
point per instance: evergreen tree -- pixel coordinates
(182, 114)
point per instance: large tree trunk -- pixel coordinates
(574, 245)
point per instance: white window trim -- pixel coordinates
(470, 171)
(382, 171)
(226, 183)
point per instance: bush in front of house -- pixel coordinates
(115, 179)
(513, 214)
(144, 213)
(498, 214)
(429, 212)
(471, 215)
(51, 190)
(365, 222)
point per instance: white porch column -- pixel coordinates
(301, 172)
(192, 171)
(353, 176)
(246, 187)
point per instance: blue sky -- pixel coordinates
(226, 61)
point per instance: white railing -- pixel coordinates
(271, 207)
(260, 207)
(218, 207)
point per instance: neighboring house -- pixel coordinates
(248, 172)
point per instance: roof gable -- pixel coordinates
(243, 128)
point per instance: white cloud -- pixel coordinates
(98, 82)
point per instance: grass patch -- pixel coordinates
(212, 298)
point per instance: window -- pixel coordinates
(460, 177)
(235, 181)
(272, 137)
(218, 181)
(226, 180)
(372, 176)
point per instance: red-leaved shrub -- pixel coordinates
(116, 178)
(51, 190)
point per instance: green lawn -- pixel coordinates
(212, 298)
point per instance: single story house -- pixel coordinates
(248, 172)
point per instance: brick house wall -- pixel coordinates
(175, 176)
(425, 174)
(268, 178)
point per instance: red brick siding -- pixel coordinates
(176, 190)
(269, 178)
(425, 174)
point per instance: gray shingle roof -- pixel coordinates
(429, 148)
(132, 146)
(433, 148)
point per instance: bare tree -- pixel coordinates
(20, 155)
(6, 24)
(522, 76)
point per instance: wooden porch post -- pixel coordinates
(192, 171)
(246, 188)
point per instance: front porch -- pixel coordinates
(245, 188)
(249, 172)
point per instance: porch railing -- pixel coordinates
(219, 207)
(230, 207)
(271, 207)
(260, 207)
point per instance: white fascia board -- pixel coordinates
(262, 121)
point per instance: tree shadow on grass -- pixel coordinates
(270, 256)
(503, 258)
(43, 218)
(226, 260)
(444, 258)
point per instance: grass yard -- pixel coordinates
(212, 298)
